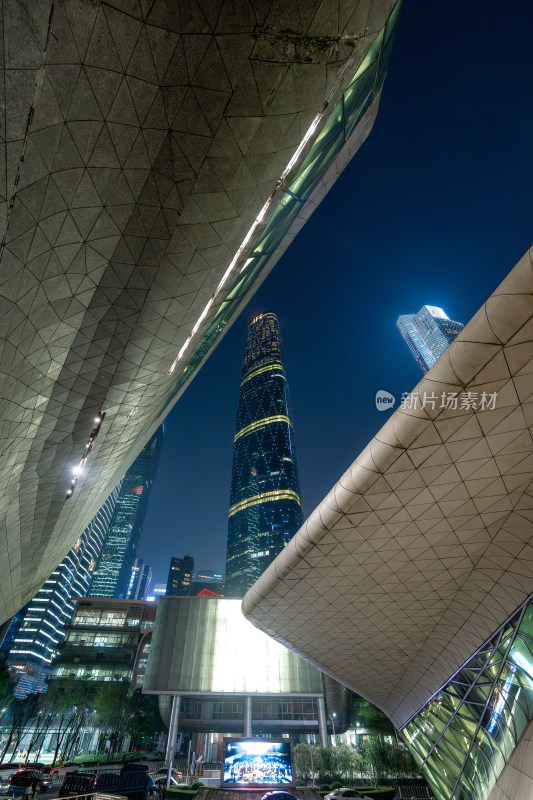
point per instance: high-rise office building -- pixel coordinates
(157, 590)
(180, 576)
(113, 570)
(140, 580)
(265, 506)
(428, 334)
(208, 576)
(41, 625)
(105, 641)
(207, 580)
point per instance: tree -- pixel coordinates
(383, 758)
(43, 720)
(70, 703)
(19, 715)
(114, 712)
(370, 717)
(145, 718)
(6, 698)
(377, 759)
(327, 763)
(348, 762)
(302, 760)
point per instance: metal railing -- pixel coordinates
(409, 792)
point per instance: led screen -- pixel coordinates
(257, 762)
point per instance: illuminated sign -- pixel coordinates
(257, 762)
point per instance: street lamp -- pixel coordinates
(310, 747)
(331, 716)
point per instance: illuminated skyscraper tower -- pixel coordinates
(112, 575)
(265, 506)
(428, 334)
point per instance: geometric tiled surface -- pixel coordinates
(140, 139)
(424, 546)
(516, 780)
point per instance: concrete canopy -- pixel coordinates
(424, 546)
(141, 141)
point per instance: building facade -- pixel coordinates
(43, 622)
(220, 674)
(113, 570)
(412, 582)
(427, 334)
(157, 590)
(140, 581)
(265, 505)
(105, 639)
(180, 575)
(153, 312)
(208, 576)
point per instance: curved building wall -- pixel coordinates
(159, 165)
(205, 645)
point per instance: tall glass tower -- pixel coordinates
(112, 575)
(41, 624)
(265, 506)
(428, 334)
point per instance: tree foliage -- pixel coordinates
(67, 709)
(377, 760)
(368, 716)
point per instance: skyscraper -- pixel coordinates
(140, 580)
(180, 576)
(428, 334)
(113, 570)
(265, 506)
(41, 625)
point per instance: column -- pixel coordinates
(172, 730)
(322, 730)
(248, 717)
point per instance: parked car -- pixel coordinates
(160, 777)
(64, 769)
(340, 794)
(278, 795)
(8, 768)
(25, 777)
(11, 767)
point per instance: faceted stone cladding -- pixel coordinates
(516, 780)
(423, 548)
(140, 140)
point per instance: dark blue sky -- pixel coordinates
(435, 208)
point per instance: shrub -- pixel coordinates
(336, 785)
(196, 785)
(325, 787)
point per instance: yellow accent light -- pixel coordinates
(265, 497)
(259, 370)
(261, 423)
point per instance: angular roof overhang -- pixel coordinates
(425, 545)
(147, 149)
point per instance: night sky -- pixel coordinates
(434, 209)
